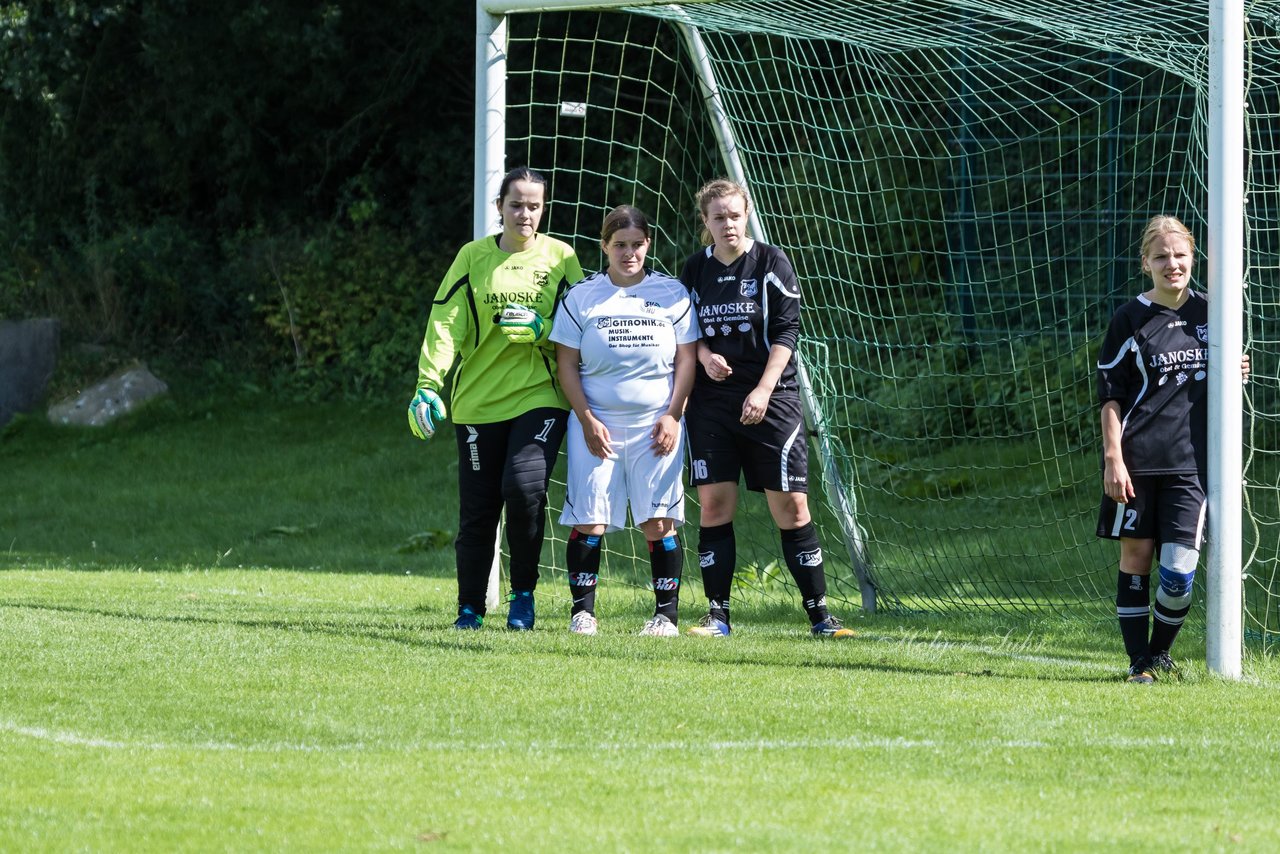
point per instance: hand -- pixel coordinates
(597, 435)
(523, 325)
(1116, 482)
(426, 410)
(717, 368)
(1244, 368)
(665, 435)
(755, 406)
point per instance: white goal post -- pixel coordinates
(1226, 251)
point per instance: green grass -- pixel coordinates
(234, 485)
(178, 674)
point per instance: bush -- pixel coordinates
(951, 393)
(347, 312)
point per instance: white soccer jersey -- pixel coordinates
(627, 338)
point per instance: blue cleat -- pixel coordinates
(520, 613)
(468, 618)
(831, 628)
(1141, 672)
(710, 627)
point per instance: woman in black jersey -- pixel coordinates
(744, 416)
(1152, 384)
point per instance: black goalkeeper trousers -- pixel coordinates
(506, 464)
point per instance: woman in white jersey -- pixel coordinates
(1153, 388)
(625, 349)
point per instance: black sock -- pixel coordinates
(1133, 607)
(717, 557)
(1165, 627)
(1167, 621)
(666, 559)
(803, 554)
(582, 560)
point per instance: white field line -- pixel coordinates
(73, 739)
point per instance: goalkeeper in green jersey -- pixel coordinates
(491, 317)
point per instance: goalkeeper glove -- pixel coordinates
(425, 411)
(523, 325)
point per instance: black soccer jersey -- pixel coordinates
(743, 310)
(1154, 362)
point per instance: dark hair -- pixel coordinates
(522, 173)
(623, 216)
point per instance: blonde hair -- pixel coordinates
(719, 188)
(1161, 225)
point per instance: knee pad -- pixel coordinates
(1179, 557)
(1175, 588)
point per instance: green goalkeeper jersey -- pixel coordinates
(496, 380)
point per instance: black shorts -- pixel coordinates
(772, 455)
(1167, 508)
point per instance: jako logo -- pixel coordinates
(813, 558)
(705, 559)
(473, 437)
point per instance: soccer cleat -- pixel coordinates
(468, 619)
(583, 623)
(1162, 663)
(831, 628)
(1141, 672)
(658, 626)
(520, 612)
(710, 627)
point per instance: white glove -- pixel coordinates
(523, 325)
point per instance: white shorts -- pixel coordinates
(599, 490)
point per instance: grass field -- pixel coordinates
(217, 633)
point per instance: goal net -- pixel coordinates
(961, 187)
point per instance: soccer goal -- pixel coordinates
(961, 187)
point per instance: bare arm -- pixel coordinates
(666, 433)
(716, 366)
(757, 401)
(596, 434)
(1116, 482)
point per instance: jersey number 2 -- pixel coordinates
(1130, 520)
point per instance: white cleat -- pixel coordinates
(583, 623)
(658, 626)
